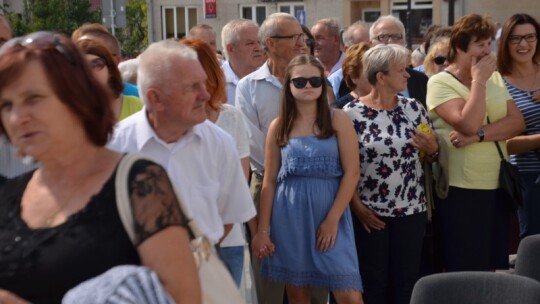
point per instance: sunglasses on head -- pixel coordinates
(301, 82)
(41, 40)
(439, 60)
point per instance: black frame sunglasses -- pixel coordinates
(439, 60)
(301, 82)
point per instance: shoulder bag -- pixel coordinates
(217, 284)
(510, 180)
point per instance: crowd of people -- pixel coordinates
(338, 158)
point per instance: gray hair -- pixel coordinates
(348, 37)
(196, 29)
(155, 65)
(230, 34)
(331, 24)
(387, 18)
(270, 26)
(128, 70)
(381, 57)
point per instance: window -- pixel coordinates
(292, 9)
(177, 20)
(256, 13)
(370, 15)
(421, 17)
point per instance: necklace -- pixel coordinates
(65, 202)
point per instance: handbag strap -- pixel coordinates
(497, 144)
(123, 202)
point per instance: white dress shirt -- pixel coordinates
(232, 81)
(230, 119)
(10, 164)
(258, 98)
(203, 166)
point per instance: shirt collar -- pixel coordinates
(145, 133)
(230, 75)
(263, 73)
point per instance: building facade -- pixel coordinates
(173, 18)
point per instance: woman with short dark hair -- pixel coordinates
(59, 224)
(471, 111)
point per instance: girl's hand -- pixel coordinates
(7, 297)
(459, 140)
(326, 234)
(369, 219)
(262, 246)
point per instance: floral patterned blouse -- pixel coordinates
(392, 179)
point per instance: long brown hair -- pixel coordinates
(289, 111)
(504, 60)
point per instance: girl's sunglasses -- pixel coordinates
(300, 82)
(439, 60)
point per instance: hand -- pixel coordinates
(481, 69)
(425, 142)
(369, 218)
(326, 234)
(459, 140)
(536, 96)
(262, 246)
(7, 297)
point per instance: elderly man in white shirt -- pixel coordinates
(200, 158)
(243, 51)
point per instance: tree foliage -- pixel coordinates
(62, 16)
(134, 38)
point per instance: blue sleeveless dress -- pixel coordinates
(307, 184)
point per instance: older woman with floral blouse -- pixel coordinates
(390, 201)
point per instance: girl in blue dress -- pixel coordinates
(305, 235)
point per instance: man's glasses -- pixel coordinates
(41, 40)
(516, 39)
(295, 37)
(439, 60)
(301, 82)
(97, 64)
(386, 37)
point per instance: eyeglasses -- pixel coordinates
(301, 82)
(295, 37)
(439, 60)
(516, 39)
(41, 40)
(97, 64)
(386, 37)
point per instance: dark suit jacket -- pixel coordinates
(417, 85)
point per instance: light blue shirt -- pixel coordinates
(335, 81)
(232, 81)
(258, 98)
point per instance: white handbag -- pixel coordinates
(217, 283)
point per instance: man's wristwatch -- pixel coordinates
(481, 134)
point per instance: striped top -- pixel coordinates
(10, 164)
(528, 161)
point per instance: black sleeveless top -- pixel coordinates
(41, 265)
